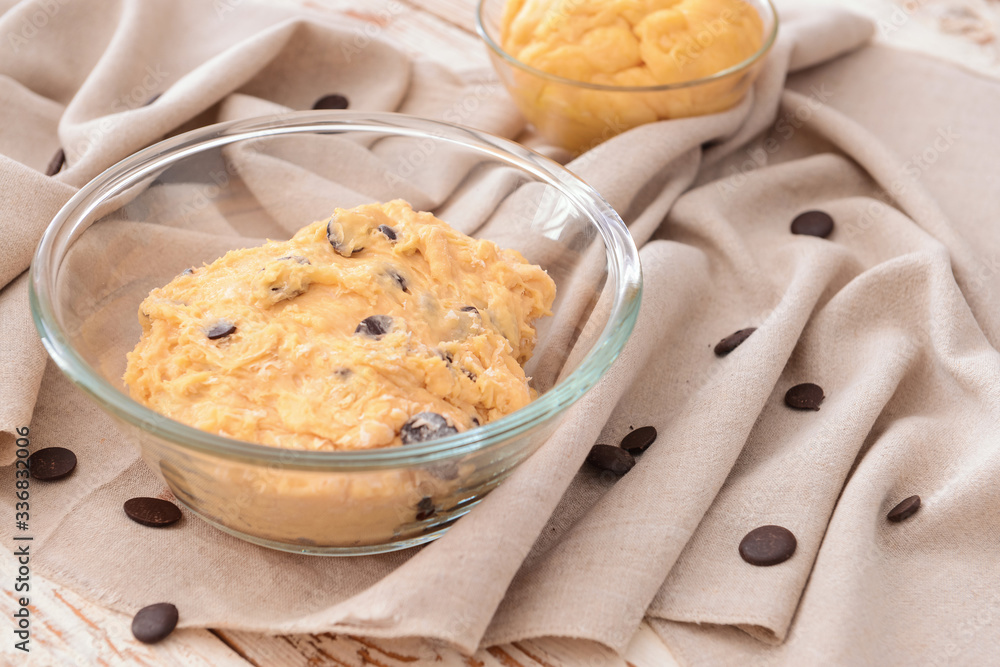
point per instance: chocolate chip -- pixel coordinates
(153, 623)
(813, 223)
(221, 329)
(446, 356)
(607, 457)
(904, 510)
(475, 420)
(806, 396)
(399, 280)
(335, 235)
(56, 163)
(152, 99)
(343, 373)
(425, 508)
(187, 271)
(447, 471)
(425, 426)
(389, 232)
(469, 309)
(51, 463)
(375, 326)
(335, 101)
(732, 341)
(469, 374)
(639, 440)
(297, 258)
(152, 511)
(767, 545)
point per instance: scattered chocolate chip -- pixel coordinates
(469, 309)
(475, 420)
(335, 101)
(469, 374)
(767, 545)
(187, 271)
(607, 457)
(425, 508)
(297, 258)
(153, 623)
(56, 163)
(806, 396)
(343, 372)
(813, 223)
(446, 356)
(732, 341)
(399, 280)
(152, 99)
(152, 511)
(51, 463)
(425, 426)
(904, 510)
(335, 235)
(375, 326)
(389, 232)
(639, 440)
(221, 329)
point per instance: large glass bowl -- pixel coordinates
(189, 199)
(578, 115)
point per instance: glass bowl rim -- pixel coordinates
(623, 271)
(680, 85)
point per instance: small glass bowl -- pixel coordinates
(577, 115)
(189, 199)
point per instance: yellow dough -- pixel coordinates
(624, 43)
(377, 327)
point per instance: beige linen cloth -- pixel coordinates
(896, 316)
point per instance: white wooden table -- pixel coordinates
(69, 630)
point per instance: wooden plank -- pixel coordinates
(66, 629)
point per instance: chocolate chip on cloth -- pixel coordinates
(806, 396)
(51, 463)
(56, 163)
(639, 440)
(610, 458)
(334, 101)
(813, 223)
(153, 512)
(904, 510)
(426, 426)
(732, 341)
(768, 545)
(153, 623)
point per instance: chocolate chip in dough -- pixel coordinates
(152, 512)
(806, 396)
(639, 440)
(767, 545)
(400, 280)
(389, 232)
(425, 508)
(51, 463)
(469, 374)
(188, 271)
(904, 510)
(56, 163)
(375, 326)
(153, 623)
(614, 459)
(299, 259)
(732, 341)
(813, 223)
(335, 235)
(469, 309)
(221, 329)
(425, 426)
(334, 101)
